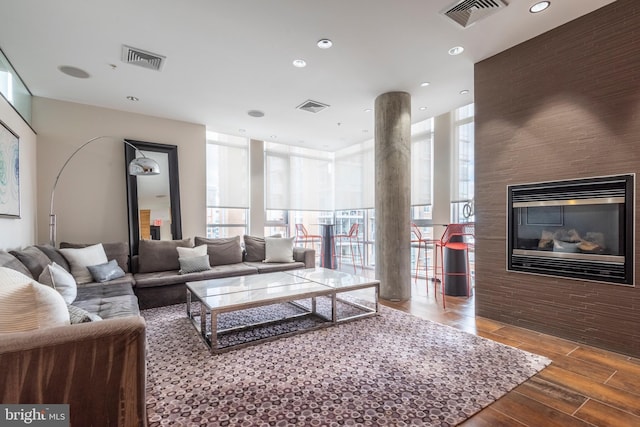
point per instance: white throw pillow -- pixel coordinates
(26, 304)
(191, 252)
(61, 280)
(80, 259)
(278, 249)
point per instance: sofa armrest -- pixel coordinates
(306, 255)
(97, 368)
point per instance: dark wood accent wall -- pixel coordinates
(561, 106)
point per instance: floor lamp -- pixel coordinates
(138, 166)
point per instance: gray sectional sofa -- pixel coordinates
(80, 353)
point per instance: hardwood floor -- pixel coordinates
(583, 386)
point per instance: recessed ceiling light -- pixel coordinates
(540, 6)
(368, 110)
(299, 63)
(456, 50)
(422, 108)
(133, 98)
(242, 130)
(464, 91)
(74, 72)
(425, 84)
(325, 43)
(255, 113)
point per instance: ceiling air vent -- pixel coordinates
(468, 12)
(132, 55)
(312, 106)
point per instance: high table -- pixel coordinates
(326, 257)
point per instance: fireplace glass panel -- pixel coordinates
(591, 229)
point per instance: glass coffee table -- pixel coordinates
(235, 312)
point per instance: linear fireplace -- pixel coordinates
(578, 229)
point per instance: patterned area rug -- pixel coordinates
(392, 369)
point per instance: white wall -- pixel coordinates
(91, 197)
(16, 233)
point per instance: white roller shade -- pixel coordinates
(227, 171)
(421, 162)
(355, 177)
(298, 178)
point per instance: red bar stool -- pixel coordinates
(456, 237)
(303, 236)
(417, 237)
(352, 237)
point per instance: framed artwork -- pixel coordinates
(9, 173)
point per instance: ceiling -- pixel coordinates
(226, 57)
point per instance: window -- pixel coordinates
(227, 185)
(14, 90)
(463, 178)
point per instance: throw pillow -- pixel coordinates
(105, 272)
(61, 280)
(278, 249)
(80, 315)
(79, 259)
(26, 304)
(194, 264)
(192, 252)
(222, 251)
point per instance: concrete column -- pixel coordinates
(256, 168)
(393, 194)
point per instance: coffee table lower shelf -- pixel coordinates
(282, 308)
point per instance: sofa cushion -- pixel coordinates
(54, 255)
(254, 248)
(108, 301)
(162, 278)
(105, 272)
(118, 251)
(9, 261)
(61, 280)
(222, 251)
(271, 267)
(160, 255)
(80, 258)
(27, 305)
(32, 258)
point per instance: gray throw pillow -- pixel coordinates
(105, 272)
(80, 315)
(194, 264)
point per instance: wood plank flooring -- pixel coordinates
(583, 386)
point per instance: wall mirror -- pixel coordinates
(153, 201)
